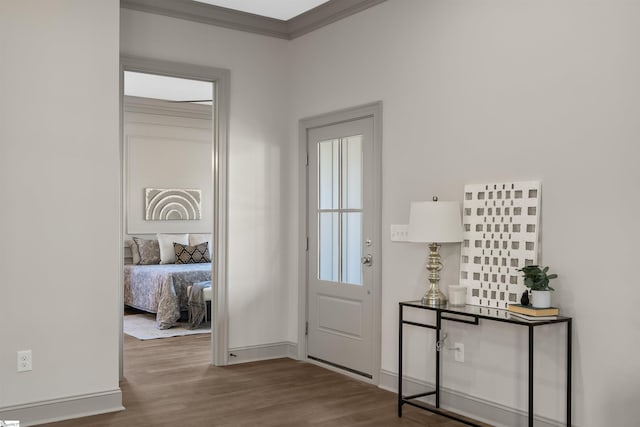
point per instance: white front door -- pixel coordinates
(342, 249)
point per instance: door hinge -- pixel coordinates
(307, 245)
(306, 328)
(307, 160)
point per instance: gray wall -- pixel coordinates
(491, 91)
(473, 92)
(60, 174)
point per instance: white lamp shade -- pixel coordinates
(435, 222)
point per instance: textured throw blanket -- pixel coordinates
(197, 304)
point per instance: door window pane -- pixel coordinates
(352, 172)
(340, 201)
(352, 248)
(328, 243)
(328, 179)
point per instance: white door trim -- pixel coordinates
(373, 110)
(221, 79)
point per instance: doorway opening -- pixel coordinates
(174, 135)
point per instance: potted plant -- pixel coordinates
(537, 279)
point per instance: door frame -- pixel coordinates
(219, 161)
(374, 111)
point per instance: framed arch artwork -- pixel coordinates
(164, 204)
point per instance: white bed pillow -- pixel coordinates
(167, 253)
(196, 239)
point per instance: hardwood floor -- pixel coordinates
(169, 382)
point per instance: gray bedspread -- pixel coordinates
(162, 288)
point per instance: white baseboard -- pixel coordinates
(48, 411)
(464, 404)
(263, 352)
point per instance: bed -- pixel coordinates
(162, 288)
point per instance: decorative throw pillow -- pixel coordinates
(166, 241)
(149, 251)
(192, 254)
(196, 239)
(135, 253)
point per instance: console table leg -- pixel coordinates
(530, 376)
(400, 362)
(438, 326)
(569, 373)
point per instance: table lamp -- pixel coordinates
(434, 223)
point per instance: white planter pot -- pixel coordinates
(541, 299)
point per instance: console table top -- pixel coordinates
(483, 313)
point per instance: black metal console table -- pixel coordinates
(471, 315)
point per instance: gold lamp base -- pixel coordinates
(433, 297)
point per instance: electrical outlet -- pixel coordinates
(25, 361)
(399, 233)
(458, 348)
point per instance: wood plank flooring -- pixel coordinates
(169, 382)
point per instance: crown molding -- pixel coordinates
(325, 14)
(318, 17)
(161, 107)
(212, 15)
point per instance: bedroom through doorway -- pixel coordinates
(173, 152)
(167, 127)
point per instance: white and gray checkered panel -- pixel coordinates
(501, 224)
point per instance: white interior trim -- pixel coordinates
(49, 411)
(326, 14)
(373, 110)
(159, 107)
(318, 17)
(263, 352)
(220, 120)
(465, 404)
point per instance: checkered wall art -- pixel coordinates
(501, 223)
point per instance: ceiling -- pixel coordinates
(278, 9)
(145, 85)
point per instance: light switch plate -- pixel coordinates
(399, 233)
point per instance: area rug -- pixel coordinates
(143, 327)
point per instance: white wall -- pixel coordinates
(472, 92)
(60, 174)
(165, 151)
(491, 91)
(260, 211)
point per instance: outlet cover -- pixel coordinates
(25, 361)
(458, 352)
